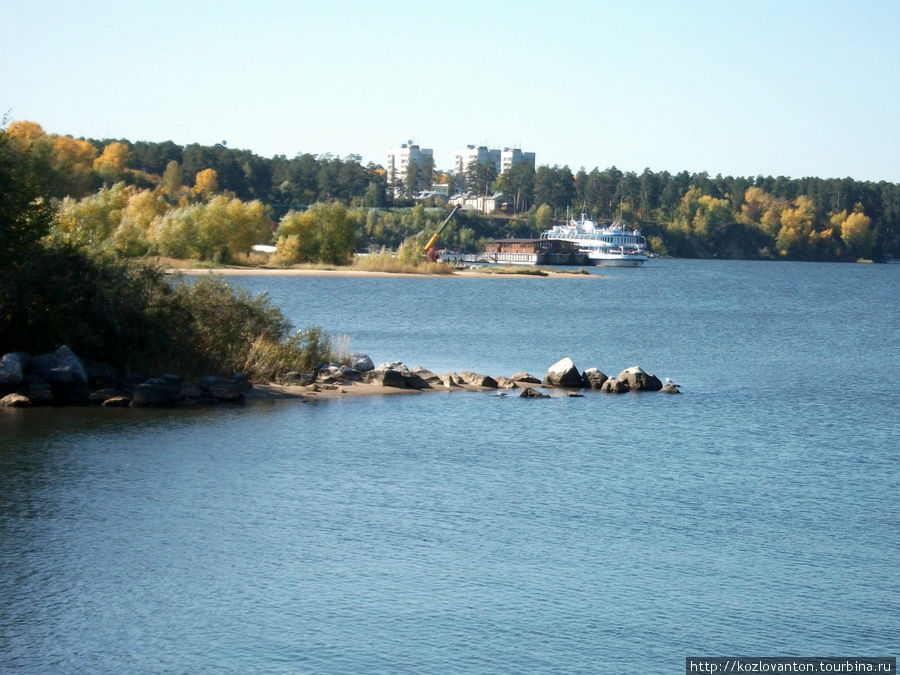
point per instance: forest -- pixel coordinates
(213, 203)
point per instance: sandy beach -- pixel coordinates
(351, 272)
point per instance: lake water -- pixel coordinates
(754, 514)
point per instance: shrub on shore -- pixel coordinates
(139, 319)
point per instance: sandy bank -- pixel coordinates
(275, 392)
(350, 272)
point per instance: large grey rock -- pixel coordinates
(637, 380)
(60, 367)
(593, 378)
(15, 401)
(386, 377)
(478, 380)
(506, 383)
(396, 374)
(563, 373)
(38, 390)
(100, 375)
(427, 375)
(302, 379)
(612, 386)
(158, 392)
(361, 362)
(12, 370)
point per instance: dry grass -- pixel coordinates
(385, 262)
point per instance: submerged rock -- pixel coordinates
(528, 392)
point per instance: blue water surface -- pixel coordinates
(756, 513)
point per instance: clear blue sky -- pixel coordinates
(774, 87)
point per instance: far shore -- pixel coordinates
(353, 272)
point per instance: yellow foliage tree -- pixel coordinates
(73, 161)
(24, 132)
(206, 183)
(796, 227)
(89, 222)
(113, 162)
(132, 236)
(856, 233)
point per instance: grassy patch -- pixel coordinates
(385, 262)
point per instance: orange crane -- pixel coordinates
(429, 247)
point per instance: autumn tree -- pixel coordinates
(206, 182)
(856, 234)
(111, 165)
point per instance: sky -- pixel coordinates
(772, 87)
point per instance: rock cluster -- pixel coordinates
(62, 378)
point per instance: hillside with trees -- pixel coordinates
(213, 202)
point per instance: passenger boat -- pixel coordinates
(609, 246)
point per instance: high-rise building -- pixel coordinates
(481, 154)
(399, 159)
(512, 156)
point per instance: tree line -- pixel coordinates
(208, 202)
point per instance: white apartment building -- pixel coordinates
(398, 160)
(481, 154)
(475, 154)
(512, 156)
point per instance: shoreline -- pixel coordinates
(349, 272)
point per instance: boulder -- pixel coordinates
(593, 378)
(15, 401)
(161, 392)
(329, 374)
(427, 375)
(100, 375)
(478, 380)
(396, 374)
(524, 378)
(61, 366)
(38, 390)
(506, 383)
(563, 373)
(361, 362)
(99, 396)
(637, 380)
(349, 374)
(295, 378)
(12, 370)
(386, 377)
(612, 386)
(449, 380)
(670, 389)
(528, 392)
(65, 373)
(226, 390)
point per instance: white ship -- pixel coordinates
(608, 246)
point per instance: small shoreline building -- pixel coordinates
(533, 252)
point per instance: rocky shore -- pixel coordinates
(62, 378)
